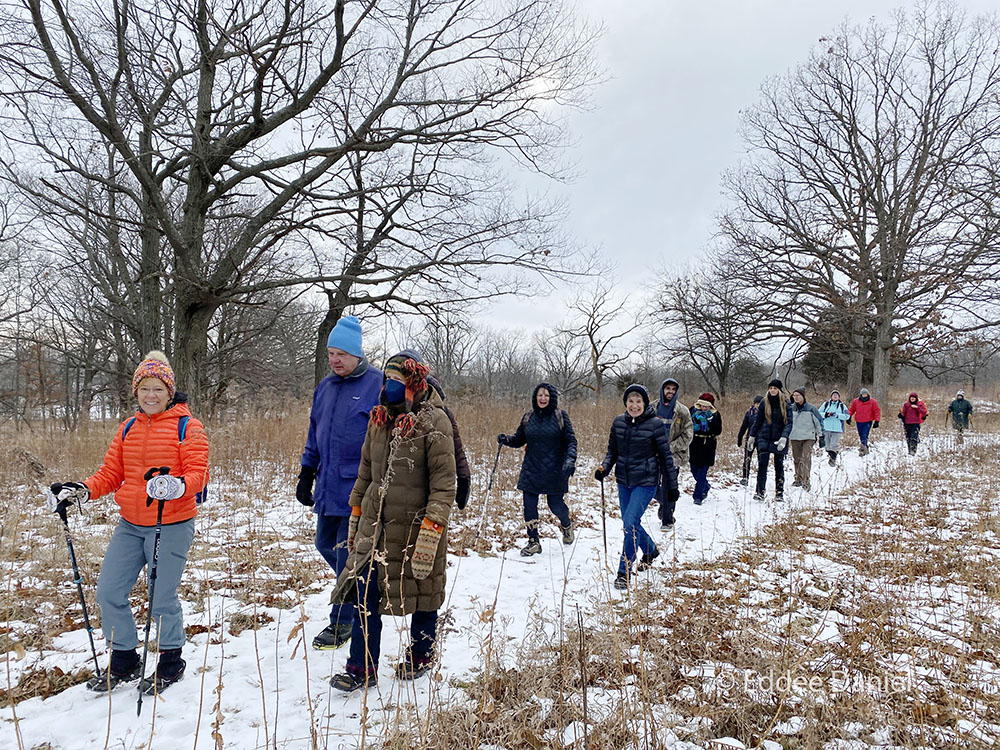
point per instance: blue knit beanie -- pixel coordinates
(346, 336)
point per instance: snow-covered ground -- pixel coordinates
(264, 688)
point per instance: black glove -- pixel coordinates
(304, 489)
(822, 441)
(568, 469)
(673, 495)
(875, 425)
(502, 439)
(462, 493)
(739, 443)
(599, 473)
(848, 420)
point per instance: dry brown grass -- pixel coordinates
(876, 568)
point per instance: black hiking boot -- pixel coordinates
(533, 547)
(647, 561)
(758, 496)
(351, 680)
(169, 669)
(125, 666)
(621, 582)
(332, 637)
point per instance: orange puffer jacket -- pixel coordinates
(152, 442)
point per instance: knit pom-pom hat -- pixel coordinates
(414, 374)
(154, 365)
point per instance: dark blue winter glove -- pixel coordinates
(304, 489)
(568, 469)
(502, 439)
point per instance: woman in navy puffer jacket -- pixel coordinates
(549, 462)
(639, 450)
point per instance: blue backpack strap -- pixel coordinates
(128, 426)
(182, 424)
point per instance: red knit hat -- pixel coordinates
(707, 397)
(155, 365)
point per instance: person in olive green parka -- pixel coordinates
(400, 507)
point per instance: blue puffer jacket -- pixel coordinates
(337, 425)
(639, 449)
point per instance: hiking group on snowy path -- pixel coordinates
(382, 467)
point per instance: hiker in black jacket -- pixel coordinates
(549, 462)
(770, 432)
(639, 451)
(751, 445)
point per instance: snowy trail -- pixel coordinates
(264, 699)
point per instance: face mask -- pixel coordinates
(395, 391)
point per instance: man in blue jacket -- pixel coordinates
(337, 425)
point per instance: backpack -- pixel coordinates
(182, 424)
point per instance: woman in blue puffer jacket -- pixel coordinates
(639, 451)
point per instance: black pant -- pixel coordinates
(556, 504)
(912, 436)
(779, 472)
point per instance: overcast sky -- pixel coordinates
(665, 125)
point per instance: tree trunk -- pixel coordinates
(193, 319)
(335, 310)
(880, 376)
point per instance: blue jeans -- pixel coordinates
(633, 502)
(366, 632)
(556, 504)
(701, 485)
(331, 541)
(864, 428)
(131, 548)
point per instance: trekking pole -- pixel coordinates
(152, 581)
(78, 580)
(489, 486)
(604, 522)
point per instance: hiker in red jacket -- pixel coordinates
(913, 414)
(864, 410)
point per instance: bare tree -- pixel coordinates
(239, 112)
(565, 360)
(711, 322)
(871, 185)
(601, 321)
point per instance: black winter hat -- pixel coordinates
(801, 391)
(776, 384)
(636, 388)
(758, 399)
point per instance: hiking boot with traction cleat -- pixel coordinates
(758, 496)
(667, 525)
(568, 534)
(332, 637)
(169, 669)
(533, 547)
(414, 667)
(647, 561)
(124, 666)
(108, 680)
(350, 681)
(621, 582)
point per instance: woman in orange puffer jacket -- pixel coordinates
(161, 434)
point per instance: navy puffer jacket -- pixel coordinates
(639, 449)
(550, 455)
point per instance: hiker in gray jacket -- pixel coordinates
(807, 428)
